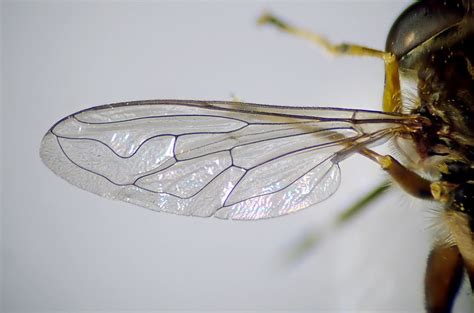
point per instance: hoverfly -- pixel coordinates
(245, 161)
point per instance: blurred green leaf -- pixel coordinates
(312, 239)
(362, 203)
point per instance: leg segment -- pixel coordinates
(444, 273)
(411, 182)
(460, 226)
(391, 98)
(446, 262)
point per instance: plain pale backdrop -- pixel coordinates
(68, 250)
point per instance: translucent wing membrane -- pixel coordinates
(207, 158)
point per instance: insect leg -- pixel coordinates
(443, 277)
(411, 182)
(460, 225)
(391, 98)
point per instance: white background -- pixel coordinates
(66, 249)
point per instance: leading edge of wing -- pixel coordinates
(353, 116)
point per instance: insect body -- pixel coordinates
(434, 43)
(247, 161)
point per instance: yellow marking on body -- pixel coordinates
(442, 191)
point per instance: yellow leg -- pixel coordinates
(411, 182)
(391, 99)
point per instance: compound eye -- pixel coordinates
(421, 21)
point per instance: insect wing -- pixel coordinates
(204, 158)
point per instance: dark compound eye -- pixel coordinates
(423, 20)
